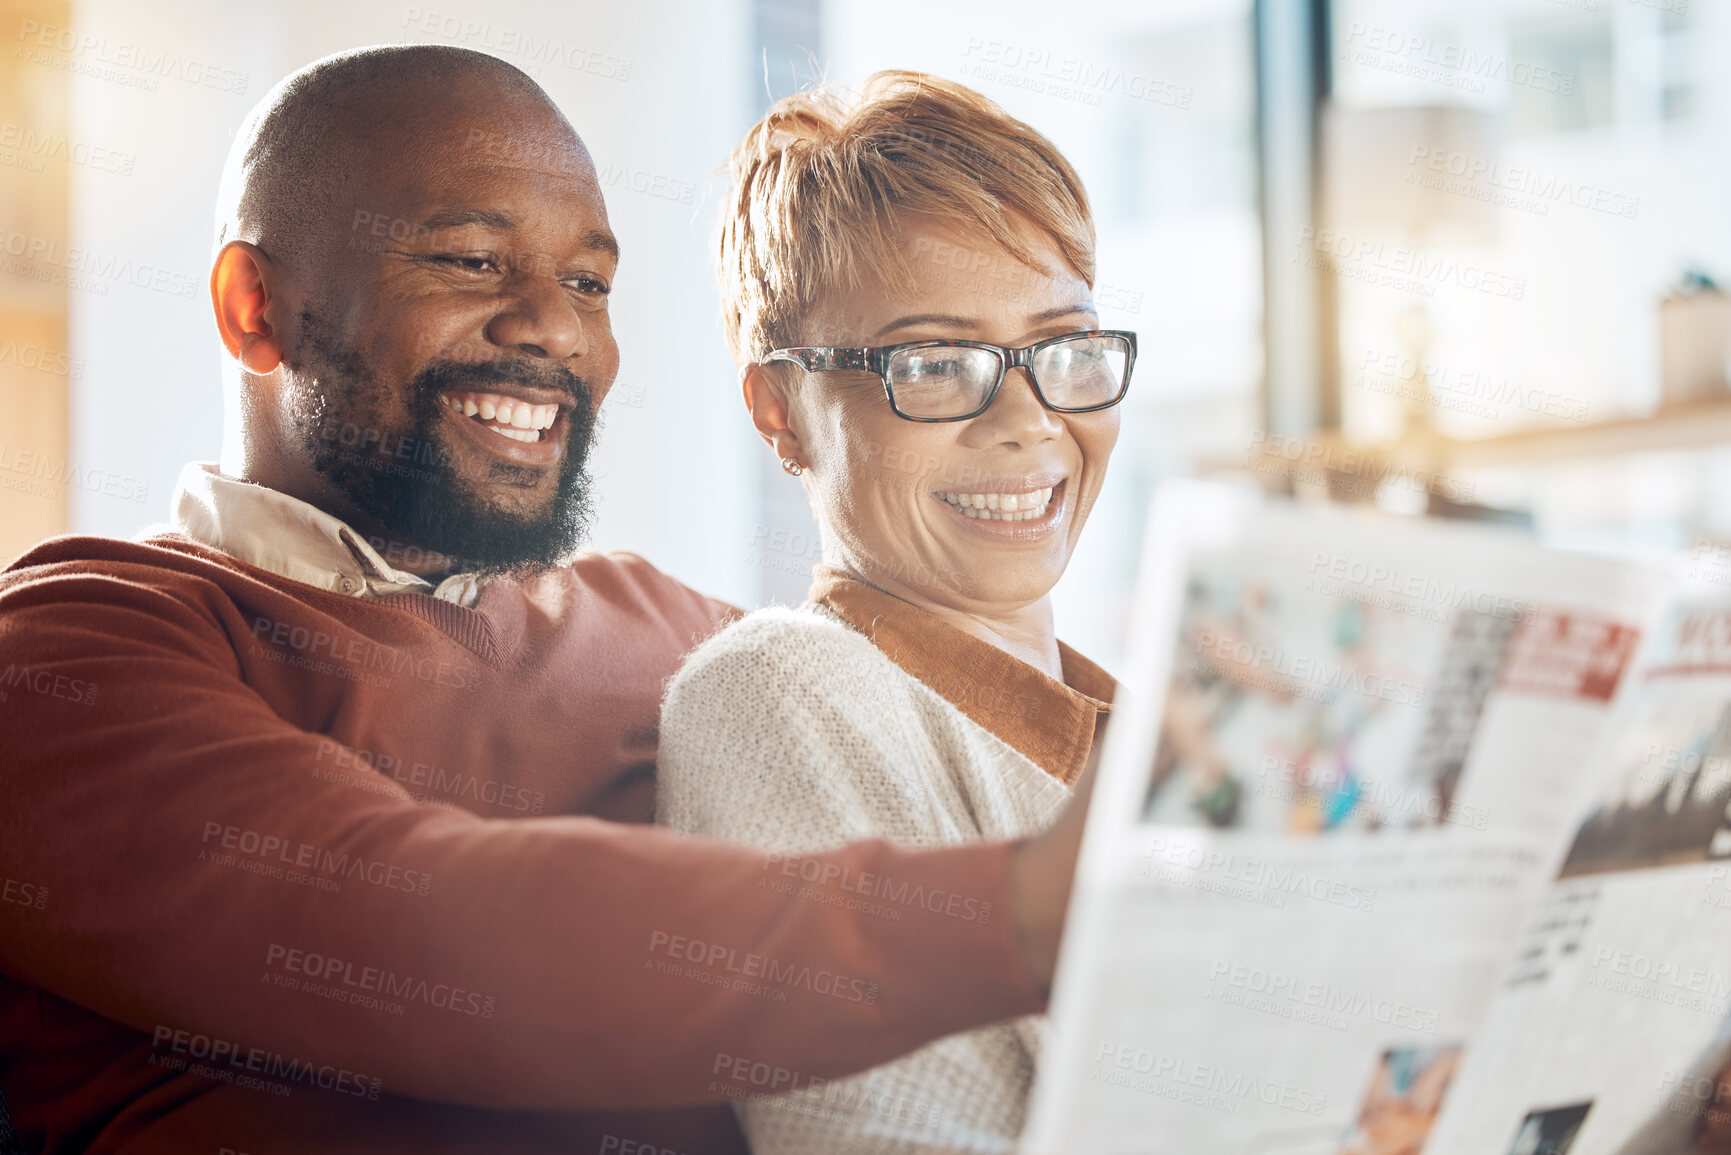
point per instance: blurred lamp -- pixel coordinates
(1413, 176)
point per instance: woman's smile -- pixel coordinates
(1013, 512)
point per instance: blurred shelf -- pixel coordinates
(1696, 425)
(1327, 466)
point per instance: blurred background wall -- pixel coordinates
(1448, 257)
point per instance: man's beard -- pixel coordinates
(406, 478)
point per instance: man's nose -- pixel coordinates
(538, 318)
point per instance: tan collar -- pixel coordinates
(293, 539)
(1054, 723)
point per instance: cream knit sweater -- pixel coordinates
(790, 731)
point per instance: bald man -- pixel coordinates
(321, 820)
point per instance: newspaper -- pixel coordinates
(1609, 1034)
(1315, 842)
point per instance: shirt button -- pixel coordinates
(348, 586)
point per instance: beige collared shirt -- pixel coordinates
(293, 539)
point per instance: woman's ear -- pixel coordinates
(241, 290)
(766, 396)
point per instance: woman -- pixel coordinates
(906, 286)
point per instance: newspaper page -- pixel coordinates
(1610, 1035)
(1315, 841)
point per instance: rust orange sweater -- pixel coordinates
(284, 870)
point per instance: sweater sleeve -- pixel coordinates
(773, 737)
(609, 958)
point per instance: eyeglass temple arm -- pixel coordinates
(819, 358)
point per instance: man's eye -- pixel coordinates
(589, 286)
(467, 264)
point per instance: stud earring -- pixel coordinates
(791, 466)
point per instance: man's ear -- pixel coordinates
(241, 290)
(765, 393)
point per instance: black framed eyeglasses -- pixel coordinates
(958, 380)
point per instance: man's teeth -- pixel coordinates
(1001, 506)
(518, 420)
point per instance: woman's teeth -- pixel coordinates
(1001, 506)
(506, 416)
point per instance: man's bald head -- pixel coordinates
(325, 137)
(413, 262)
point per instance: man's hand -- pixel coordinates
(1041, 870)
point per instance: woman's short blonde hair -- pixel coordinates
(820, 182)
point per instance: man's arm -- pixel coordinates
(166, 819)
(1041, 872)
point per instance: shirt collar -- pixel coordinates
(1053, 723)
(294, 539)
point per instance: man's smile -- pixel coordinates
(508, 416)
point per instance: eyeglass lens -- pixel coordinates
(952, 381)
